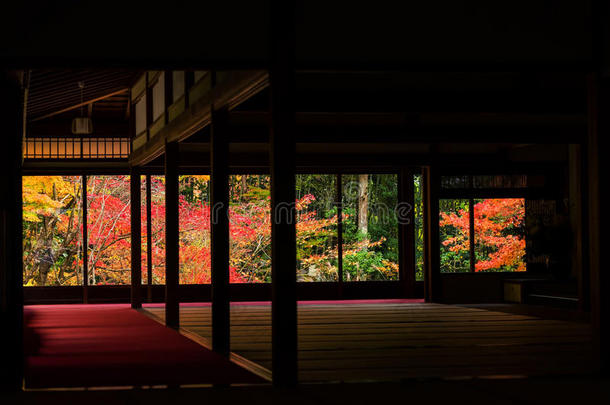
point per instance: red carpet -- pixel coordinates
(113, 345)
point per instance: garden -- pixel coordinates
(361, 206)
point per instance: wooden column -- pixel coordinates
(172, 310)
(136, 238)
(577, 191)
(11, 258)
(219, 196)
(431, 236)
(283, 213)
(599, 131)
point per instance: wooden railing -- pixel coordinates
(76, 147)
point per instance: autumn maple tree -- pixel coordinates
(53, 226)
(498, 234)
(109, 229)
(52, 242)
(53, 232)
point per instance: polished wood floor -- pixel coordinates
(395, 341)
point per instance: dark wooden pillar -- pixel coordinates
(598, 100)
(432, 285)
(577, 190)
(283, 213)
(599, 131)
(136, 238)
(219, 196)
(172, 309)
(11, 260)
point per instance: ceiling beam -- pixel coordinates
(339, 119)
(63, 128)
(85, 103)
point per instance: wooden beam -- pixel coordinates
(136, 238)
(61, 167)
(397, 119)
(63, 128)
(283, 212)
(530, 96)
(172, 263)
(432, 287)
(219, 193)
(75, 106)
(466, 132)
(381, 156)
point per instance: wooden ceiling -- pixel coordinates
(54, 91)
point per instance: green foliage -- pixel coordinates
(53, 246)
(374, 255)
(194, 189)
(418, 215)
(453, 261)
(51, 224)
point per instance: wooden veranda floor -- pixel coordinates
(394, 341)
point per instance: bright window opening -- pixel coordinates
(52, 230)
(370, 227)
(108, 230)
(498, 227)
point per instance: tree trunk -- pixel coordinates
(363, 204)
(244, 187)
